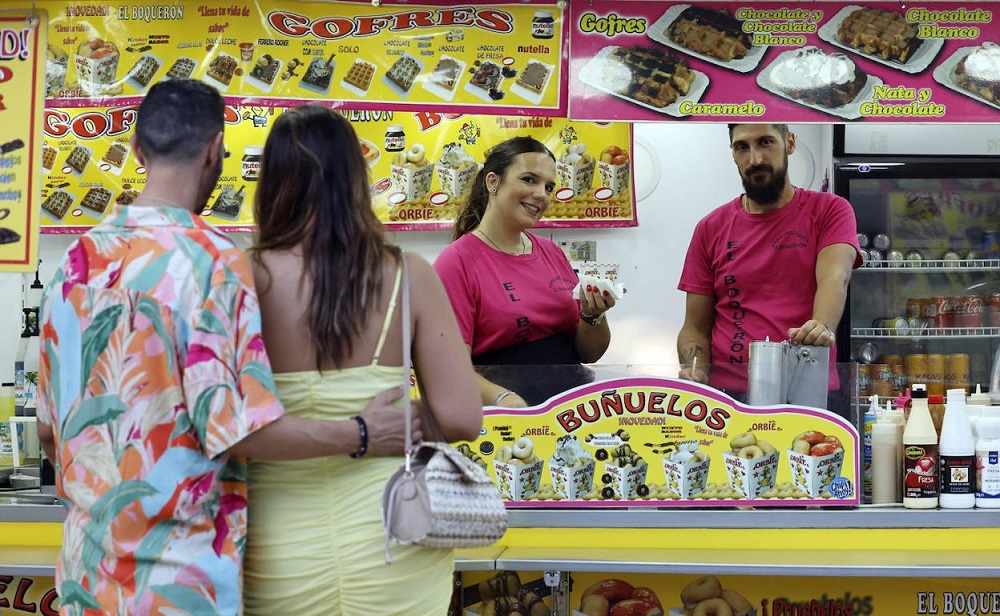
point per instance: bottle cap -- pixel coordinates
(979, 397)
(935, 399)
(919, 390)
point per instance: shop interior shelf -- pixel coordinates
(933, 332)
(932, 265)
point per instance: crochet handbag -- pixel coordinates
(439, 498)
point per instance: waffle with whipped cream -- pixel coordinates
(813, 76)
(979, 72)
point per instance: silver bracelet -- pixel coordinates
(500, 396)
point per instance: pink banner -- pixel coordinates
(770, 61)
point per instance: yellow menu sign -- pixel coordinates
(506, 58)
(421, 165)
(22, 39)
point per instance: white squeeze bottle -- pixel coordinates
(887, 460)
(920, 454)
(988, 460)
(871, 416)
(958, 455)
(975, 404)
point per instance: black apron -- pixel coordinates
(536, 370)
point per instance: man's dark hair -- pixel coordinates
(177, 118)
(781, 128)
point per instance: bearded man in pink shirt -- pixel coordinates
(774, 262)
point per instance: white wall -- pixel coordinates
(682, 172)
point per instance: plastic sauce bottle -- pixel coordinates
(898, 420)
(975, 404)
(920, 455)
(958, 455)
(988, 461)
(887, 460)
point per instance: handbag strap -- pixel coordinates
(407, 360)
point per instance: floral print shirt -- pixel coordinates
(152, 366)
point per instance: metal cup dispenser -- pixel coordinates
(785, 373)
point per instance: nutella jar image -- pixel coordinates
(543, 26)
(250, 165)
(395, 138)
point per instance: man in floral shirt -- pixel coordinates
(154, 386)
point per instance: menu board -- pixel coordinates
(505, 57)
(659, 442)
(786, 62)
(22, 41)
(421, 166)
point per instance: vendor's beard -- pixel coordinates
(768, 191)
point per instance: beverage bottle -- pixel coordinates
(920, 454)
(958, 455)
(887, 460)
(988, 460)
(870, 418)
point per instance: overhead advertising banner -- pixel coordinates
(421, 166)
(660, 442)
(505, 58)
(22, 91)
(772, 61)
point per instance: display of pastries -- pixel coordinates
(879, 32)
(485, 75)
(652, 76)
(712, 32)
(318, 74)
(221, 68)
(49, 156)
(979, 72)
(360, 74)
(126, 196)
(403, 71)
(813, 76)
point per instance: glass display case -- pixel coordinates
(925, 306)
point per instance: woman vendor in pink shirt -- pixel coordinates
(512, 291)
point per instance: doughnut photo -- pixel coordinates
(705, 596)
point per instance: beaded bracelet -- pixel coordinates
(363, 428)
(503, 394)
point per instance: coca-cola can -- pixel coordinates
(943, 311)
(993, 303)
(929, 311)
(967, 311)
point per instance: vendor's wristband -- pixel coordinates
(593, 320)
(500, 396)
(363, 429)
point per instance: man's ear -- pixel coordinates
(137, 150)
(214, 151)
(791, 143)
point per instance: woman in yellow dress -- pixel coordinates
(328, 286)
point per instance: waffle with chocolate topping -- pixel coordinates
(403, 72)
(182, 68)
(58, 203)
(97, 199)
(78, 158)
(711, 32)
(881, 33)
(445, 74)
(115, 155)
(649, 75)
(126, 196)
(221, 68)
(534, 76)
(144, 70)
